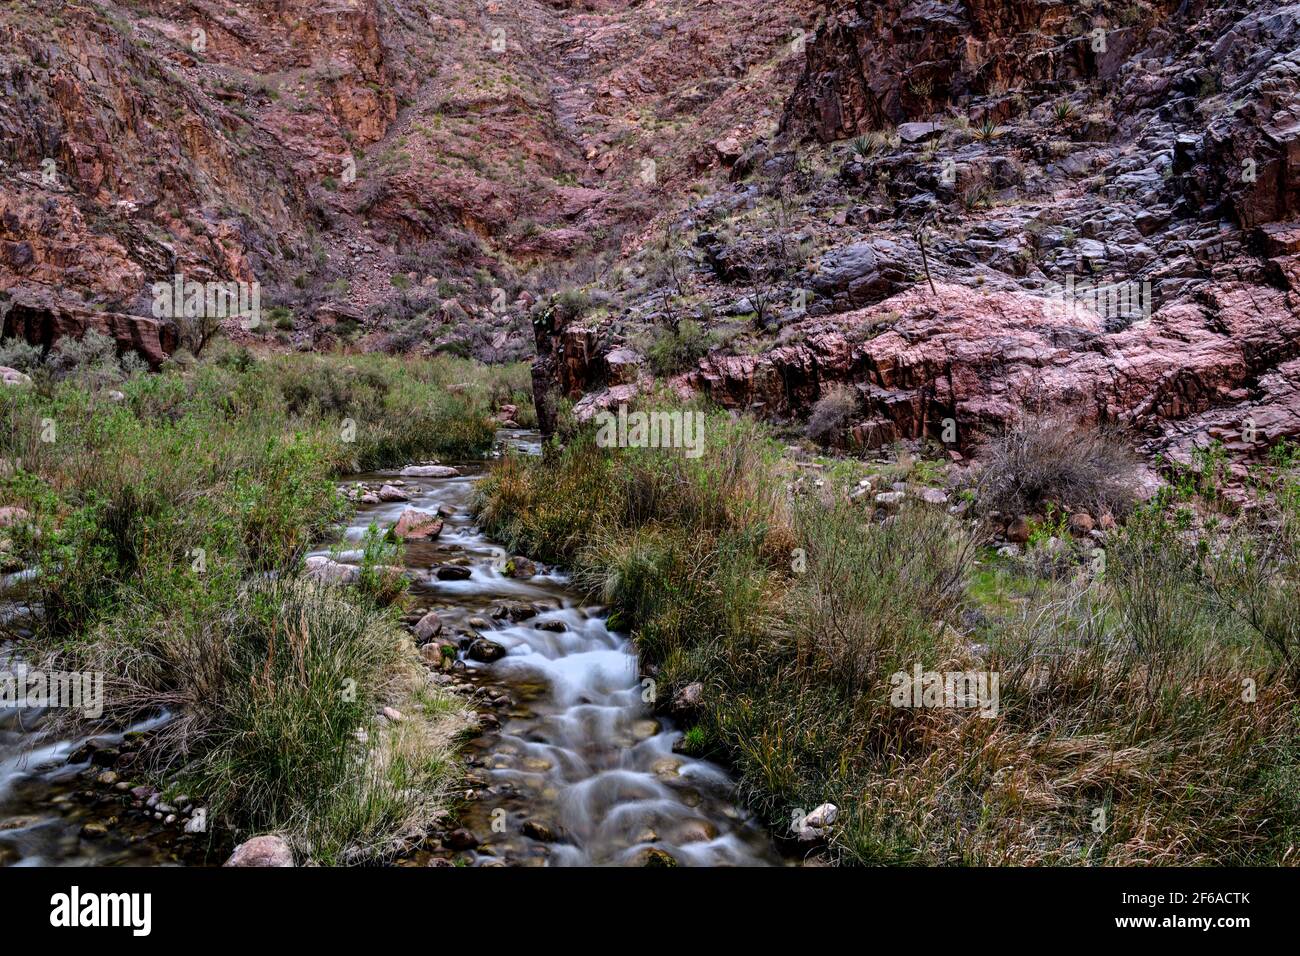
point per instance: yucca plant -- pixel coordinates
(988, 130)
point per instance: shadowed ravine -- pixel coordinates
(579, 771)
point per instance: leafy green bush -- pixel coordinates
(675, 350)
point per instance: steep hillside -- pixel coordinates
(1038, 206)
(393, 171)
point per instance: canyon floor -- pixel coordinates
(989, 311)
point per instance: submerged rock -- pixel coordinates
(460, 839)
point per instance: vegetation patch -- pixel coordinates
(1147, 710)
(166, 521)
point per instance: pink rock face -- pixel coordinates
(984, 359)
(415, 525)
(262, 851)
(42, 321)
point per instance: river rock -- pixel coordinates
(452, 572)
(11, 376)
(328, 571)
(415, 524)
(266, 850)
(816, 824)
(428, 627)
(537, 830)
(521, 568)
(485, 651)
(460, 839)
(430, 471)
(14, 517)
(515, 611)
(655, 857)
(393, 493)
(689, 699)
(198, 822)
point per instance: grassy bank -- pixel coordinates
(167, 517)
(1148, 710)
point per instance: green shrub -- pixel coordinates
(675, 350)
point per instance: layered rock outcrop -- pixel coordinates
(1042, 207)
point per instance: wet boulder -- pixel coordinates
(416, 525)
(485, 651)
(430, 471)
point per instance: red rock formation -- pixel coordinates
(44, 323)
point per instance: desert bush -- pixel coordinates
(832, 414)
(674, 350)
(1057, 459)
(92, 361)
(17, 354)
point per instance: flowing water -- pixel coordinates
(574, 770)
(580, 771)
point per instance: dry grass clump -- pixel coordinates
(832, 414)
(1057, 459)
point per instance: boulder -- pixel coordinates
(262, 851)
(485, 651)
(328, 571)
(416, 525)
(861, 273)
(430, 471)
(11, 376)
(427, 628)
(688, 700)
(12, 516)
(393, 493)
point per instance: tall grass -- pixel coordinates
(160, 514)
(1123, 735)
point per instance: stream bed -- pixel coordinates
(570, 767)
